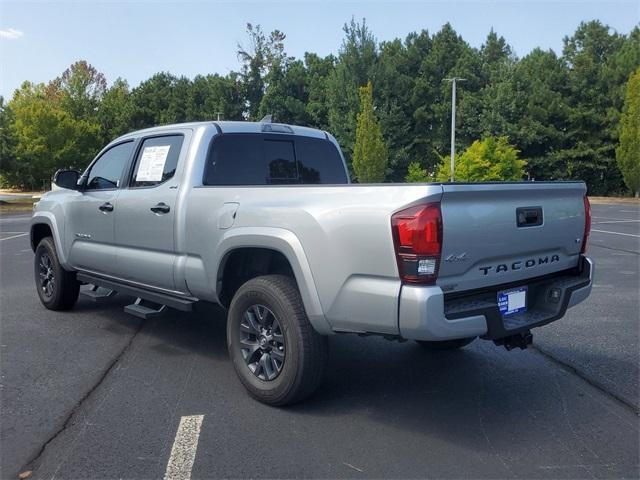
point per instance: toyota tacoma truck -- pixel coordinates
(261, 218)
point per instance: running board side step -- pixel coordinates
(95, 295)
(144, 309)
(184, 304)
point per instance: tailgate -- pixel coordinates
(509, 232)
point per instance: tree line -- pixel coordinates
(552, 116)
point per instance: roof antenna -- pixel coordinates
(266, 119)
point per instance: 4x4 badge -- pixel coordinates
(456, 258)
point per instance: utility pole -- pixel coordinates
(453, 81)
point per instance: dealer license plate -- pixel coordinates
(512, 301)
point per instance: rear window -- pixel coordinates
(264, 159)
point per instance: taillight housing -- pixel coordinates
(417, 237)
(587, 224)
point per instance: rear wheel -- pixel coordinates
(277, 354)
(446, 344)
(57, 288)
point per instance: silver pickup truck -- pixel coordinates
(261, 218)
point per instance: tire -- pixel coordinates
(57, 288)
(289, 364)
(446, 344)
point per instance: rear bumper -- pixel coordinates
(426, 313)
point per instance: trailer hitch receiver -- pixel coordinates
(519, 340)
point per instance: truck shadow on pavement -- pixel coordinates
(201, 332)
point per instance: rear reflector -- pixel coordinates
(417, 237)
(587, 224)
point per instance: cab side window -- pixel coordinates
(157, 160)
(107, 172)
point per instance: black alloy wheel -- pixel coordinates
(262, 342)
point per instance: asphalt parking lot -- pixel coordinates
(96, 393)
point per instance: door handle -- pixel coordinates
(106, 207)
(161, 208)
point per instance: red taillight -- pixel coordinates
(587, 224)
(417, 236)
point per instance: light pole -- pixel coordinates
(453, 81)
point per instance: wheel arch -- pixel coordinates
(43, 224)
(38, 232)
(244, 263)
(273, 250)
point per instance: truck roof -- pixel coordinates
(235, 127)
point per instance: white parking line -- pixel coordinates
(616, 233)
(14, 236)
(609, 219)
(617, 221)
(183, 452)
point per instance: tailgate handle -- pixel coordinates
(529, 216)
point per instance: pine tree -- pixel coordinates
(357, 59)
(591, 136)
(628, 151)
(370, 153)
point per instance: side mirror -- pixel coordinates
(67, 179)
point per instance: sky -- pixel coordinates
(134, 40)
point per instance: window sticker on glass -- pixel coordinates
(152, 163)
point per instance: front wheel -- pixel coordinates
(58, 288)
(278, 356)
(446, 344)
